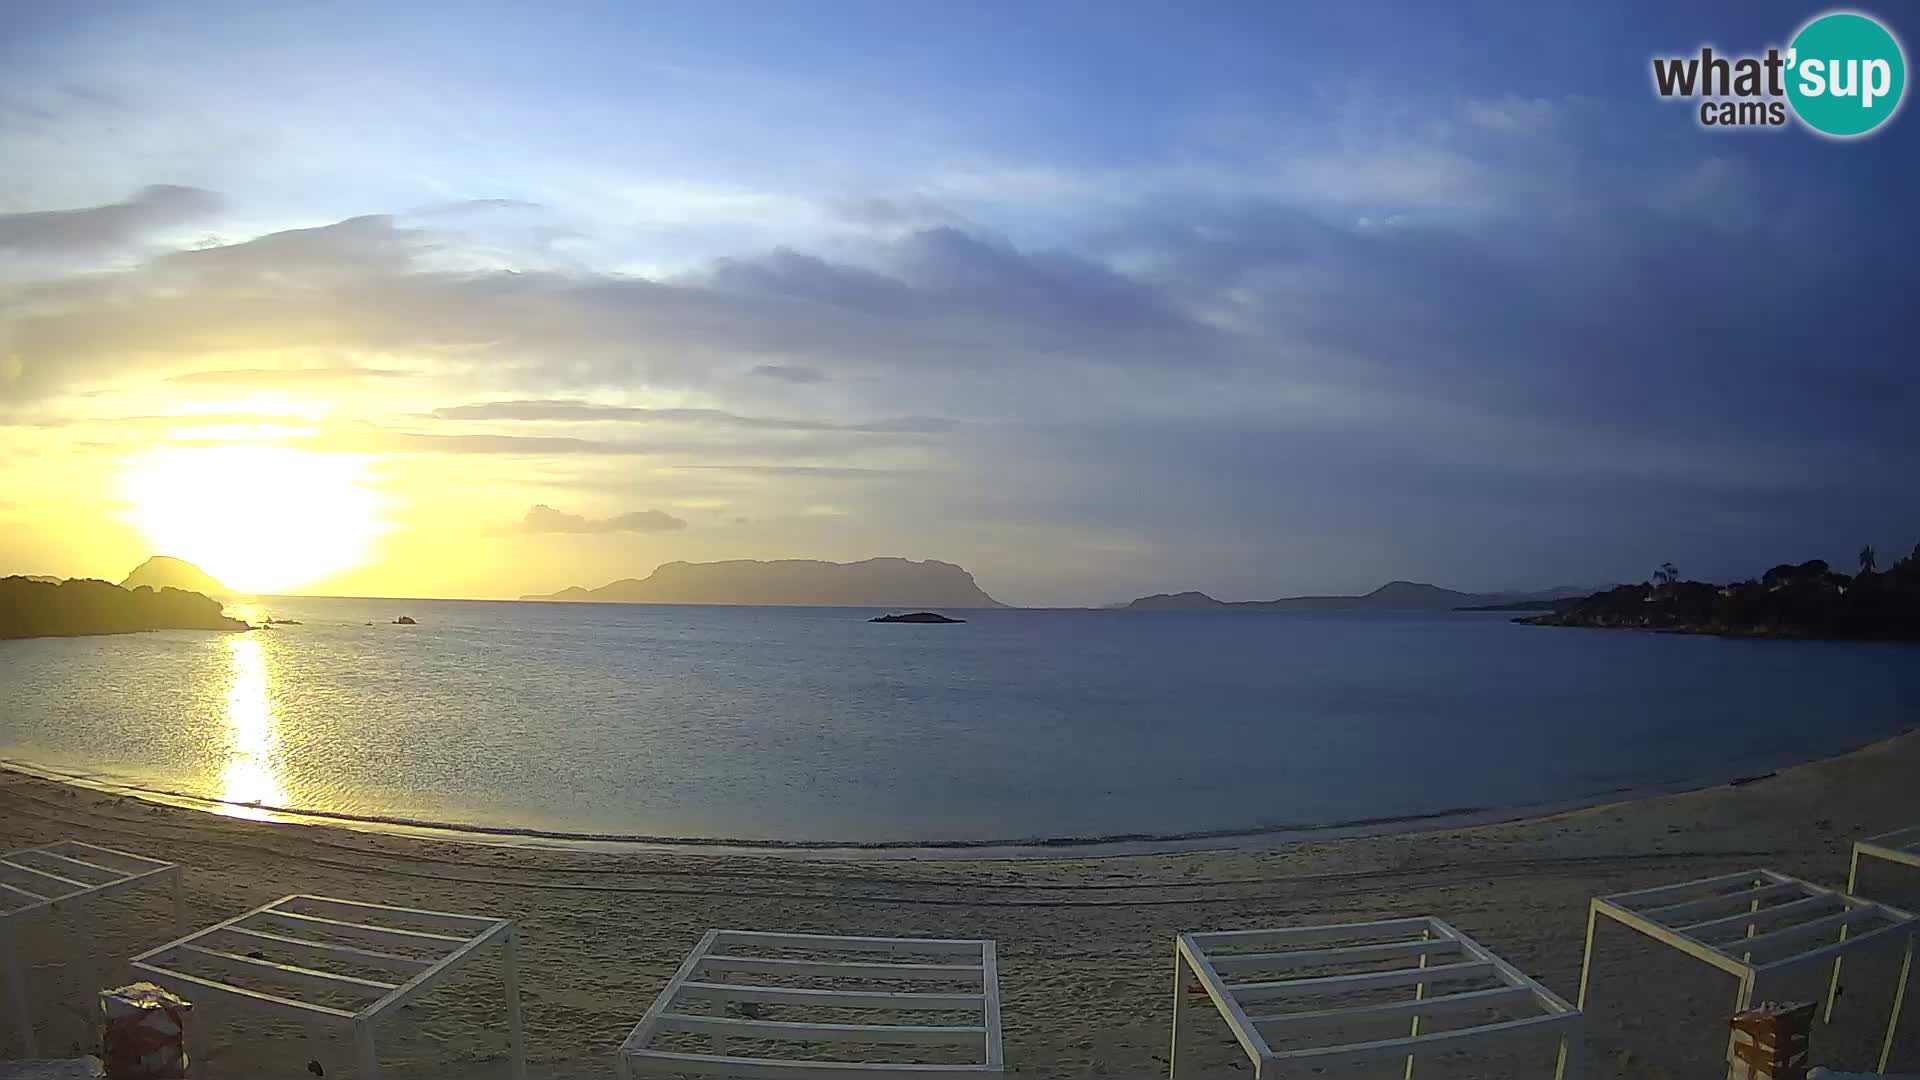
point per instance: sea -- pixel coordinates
(812, 727)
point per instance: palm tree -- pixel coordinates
(1667, 575)
(1867, 560)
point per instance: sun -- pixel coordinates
(261, 519)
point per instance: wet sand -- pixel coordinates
(1084, 942)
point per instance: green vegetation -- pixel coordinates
(82, 606)
(1807, 600)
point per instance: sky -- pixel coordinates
(1093, 299)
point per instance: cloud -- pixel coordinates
(281, 377)
(375, 440)
(473, 206)
(792, 373)
(1550, 354)
(893, 211)
(940, 302)
(829, 471)
(542, 518)
(1511, 113)
(1551, 314)
(96, 228)
(568, 411)
(366, 245)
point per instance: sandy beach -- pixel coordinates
(1084, 943)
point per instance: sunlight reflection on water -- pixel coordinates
(250, 777)
(250, 611)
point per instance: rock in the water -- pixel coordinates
(405, 620)
(916, 617)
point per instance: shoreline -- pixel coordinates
(1114, 845)
(1084, 937)
(1722, 632)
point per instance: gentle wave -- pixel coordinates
(477, 832)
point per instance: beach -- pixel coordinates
(1085, 943)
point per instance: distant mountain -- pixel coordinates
(1540, 600)
(1174, 602)
(796, 583)
(78, 607)
(1519, 605)
(165, 572)
(1393, 596)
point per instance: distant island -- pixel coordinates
(1522, 605)
(1393, 596)
(874, 583)
(1795, 600)
(916, 617)
(83, 606)
(166, 572)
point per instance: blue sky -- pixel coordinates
(1095, 299)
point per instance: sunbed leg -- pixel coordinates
(516, 1035)
(1899, 999)
(1572, 1050)
(179, 902)
(1419, 992)
(366, 1058)
(1586, 959)
(199, 1038)
(1742, 1000)
(1753, 908)
(17, 987)
(317, 1040)
(1833, 986)
(720, 1041)
(1179, 992)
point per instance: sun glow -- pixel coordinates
(261, 519)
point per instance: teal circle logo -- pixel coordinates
(1845, 74)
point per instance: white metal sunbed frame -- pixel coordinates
(1758, 926)
(59, 877)
(1433, 952)
(1899, 846)
(421, 959)
(722, 953)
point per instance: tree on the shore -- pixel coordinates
(1805, 599)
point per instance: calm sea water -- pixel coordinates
(810, 724)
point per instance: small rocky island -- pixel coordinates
(84, 606)
(1792, 600)
(916, 617)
